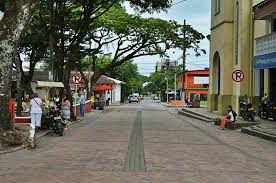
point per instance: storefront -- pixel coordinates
(265, 50)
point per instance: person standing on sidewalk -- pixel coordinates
(36, 111)
(65, 109)
(82, 102)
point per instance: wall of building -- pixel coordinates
(231, 42)
(221, 56)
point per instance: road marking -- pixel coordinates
(135, 161)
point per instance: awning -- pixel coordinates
(108, 80)
(264, 9)
(50, 84)
(103, 88)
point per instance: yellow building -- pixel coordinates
(235, 45)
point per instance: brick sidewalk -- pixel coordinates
(176, 149)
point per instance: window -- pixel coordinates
(273, 25)
(237, 28)
(217, 7)
(203, 97)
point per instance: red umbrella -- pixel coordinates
(103, 88)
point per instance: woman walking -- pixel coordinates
(65, 109)
(36, 111)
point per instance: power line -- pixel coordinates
(178, 2)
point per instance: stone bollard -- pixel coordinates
(32, 139)
(217, 121)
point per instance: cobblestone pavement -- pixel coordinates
(143, 143)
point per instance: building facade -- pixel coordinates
(265, 48)
(164, 64)
(196, 84)
(242, 39)
(230, 50)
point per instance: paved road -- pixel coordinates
(140, 143)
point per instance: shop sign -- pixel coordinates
(265, 61)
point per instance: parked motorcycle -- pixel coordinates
(246, 110)
(267, 110)
(57, 122)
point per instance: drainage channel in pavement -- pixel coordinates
(135, 161)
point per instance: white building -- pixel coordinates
(164, 64)
(115, 93)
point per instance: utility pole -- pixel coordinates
(167, 78)
(167, 89)
(175, 79)
(184, 63)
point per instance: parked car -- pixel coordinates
(133, 99)
(155, 98)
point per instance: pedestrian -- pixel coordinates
(36, 111)
(188, 102)
(92, 98)
(81, 102)
(108, 102)
(264, 99)
(229, 118)
(65, 110)
(57, 100)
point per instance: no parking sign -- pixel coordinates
(237, 75)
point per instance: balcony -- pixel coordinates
(264, 10)
(266, 52)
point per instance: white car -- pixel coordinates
(133, 99)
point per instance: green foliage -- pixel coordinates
(157, 82)
(132, 36)
(150, 5)
(128, 72)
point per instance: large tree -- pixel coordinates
(17, 16)
(58, 22)
(126, 37)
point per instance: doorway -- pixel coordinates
(273, 84)
(216, 79)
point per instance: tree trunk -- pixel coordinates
(16, 18)
(18, 86)
(26, 83)
(94, 78)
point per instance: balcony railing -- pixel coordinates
(266, 44)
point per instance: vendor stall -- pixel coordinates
(47, 89)
(100, 99)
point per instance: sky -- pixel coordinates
(197, 14)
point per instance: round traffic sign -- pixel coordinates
(76, 78)
(237, 75)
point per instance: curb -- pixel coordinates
(22, 146)
(183, 113)
(168, 105)
(195, 114)
(257, 133)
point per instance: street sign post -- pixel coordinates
(237, 75)
(76, 78)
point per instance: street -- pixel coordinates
(140, 143)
